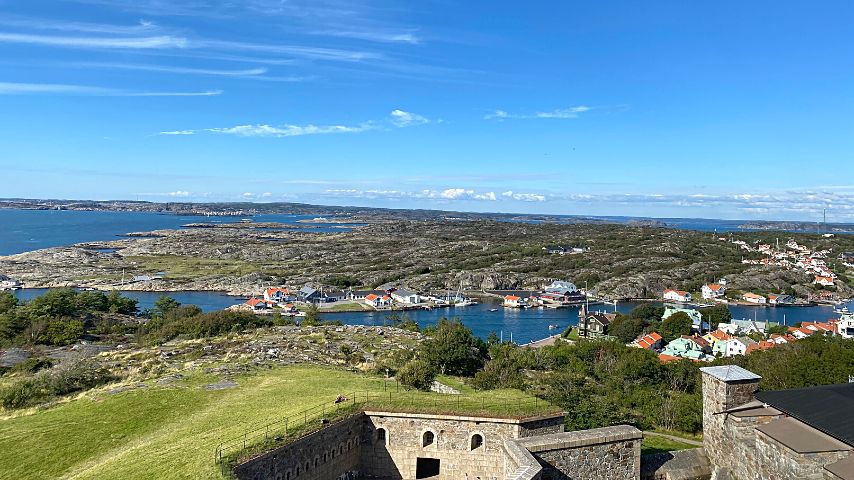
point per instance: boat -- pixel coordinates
(842, 311)
(493, 309)
(554, 326)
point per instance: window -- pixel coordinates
(428, 439)
(381, 435)
(476, 441)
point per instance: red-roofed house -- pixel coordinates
(677, 296)
(649, 341)
(826, 281)
(257, 304)
(713, 290)
(513, 301)
(377, 301)
(275, 294)
(754, 298)
(762, 345)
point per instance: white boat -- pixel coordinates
(493, 309)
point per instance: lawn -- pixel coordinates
(172, 431)
(656, 444)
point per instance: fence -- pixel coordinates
(267, 436)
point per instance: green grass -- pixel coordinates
(172, 431)
(188, 268)
(656, 444)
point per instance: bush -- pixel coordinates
(73, 376)
(417, 374)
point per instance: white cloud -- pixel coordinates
(178, 132)
(162, 41)
(288, 130)
(9, 88)
(524, 197)
(446, 195)
(373, 36)
(561, 113)
(404, 119)
(179, 193)
(172, 69)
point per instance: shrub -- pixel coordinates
(417, 374)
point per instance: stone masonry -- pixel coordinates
(403, 446)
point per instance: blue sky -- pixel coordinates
(668, 108)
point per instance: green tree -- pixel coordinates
(59, 302)
(675, 326)
(715, 315)
(648, 312)
(7, 301)
(117, 303)
(417, 374)
(626, 328)
(163, 306)
(453, 349)
(312, 316)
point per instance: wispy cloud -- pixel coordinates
(287, 130)
(404, 119)
(397, 118)
(155, 42)
(560, 113)
(445, 195)
(143, 27)
(8, 88)
(372, 35)
(524, 197)
(179, 193)
(173, 69)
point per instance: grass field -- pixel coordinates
(188, 268)
(172, 431)
(653, 444)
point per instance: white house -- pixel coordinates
(278, 295)
(677, 296)
(780, 299)
(713, 290)
(377, 301)
(845, 326)
(822, 280)
(403, 295)
(734, 346)
(754, 298)
(513, 301)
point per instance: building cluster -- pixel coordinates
(558, 294)
(9, 283)
(285, 300)
(794, 256)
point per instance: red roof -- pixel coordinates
(681, 293)
(254, 301)
(648, 340)
(512, 298)
(762, 345)
(371, 297)
(720, 335)
(714, 286)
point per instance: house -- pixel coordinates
(257, 304)
(780, 339)
(746, 327)
(780, 299)
(562, 249)
(595, 324)
(717, 336)
(845, 326)
(754, 298)
(648, 341)
(8, 283)
(713, 290)
(677, 296)
(696, 317)
(824, 281)
(801, 332)
(362, 294)
(561, 286)
(733, 346)
(310, 294)
(278, 295)
(694, 348)
(761, 345)
(821, 327)
(377, 301)
(402, 295)
(513, 301)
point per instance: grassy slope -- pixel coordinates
(653, 444)
(171, 432)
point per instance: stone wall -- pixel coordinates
(611, 453)
(776, 461)
(396, 455)
(330, 453)
(718, 396)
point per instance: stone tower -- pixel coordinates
(724, 387)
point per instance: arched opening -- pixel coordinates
(476, 441)
(307, 465)
(429, 438)
(381, 436)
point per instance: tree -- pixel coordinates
(417, 374)
(164, 305)
(453, 349)
(117, 303)
(675, 326)
(7, 302)
(626, 328)
(312, 316)
(648, 312)
(715, 315)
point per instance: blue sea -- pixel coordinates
(522, 325)
(26, 230)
